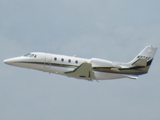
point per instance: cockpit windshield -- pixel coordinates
(30, 55)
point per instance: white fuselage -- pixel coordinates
(59, 64)
(90, 69)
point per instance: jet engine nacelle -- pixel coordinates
(100, 63)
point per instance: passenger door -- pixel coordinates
(48, 59)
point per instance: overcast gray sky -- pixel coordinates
(110, 29)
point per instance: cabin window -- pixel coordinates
(55, 58)
(76, 61)
(69, 60)
(62, 59)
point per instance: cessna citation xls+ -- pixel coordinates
(89, 69)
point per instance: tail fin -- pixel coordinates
(145, 57)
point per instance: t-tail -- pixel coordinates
(143, 60)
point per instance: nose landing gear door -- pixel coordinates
(47, 62)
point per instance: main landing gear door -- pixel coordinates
(47, 62)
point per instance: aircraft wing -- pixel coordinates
(83, 71)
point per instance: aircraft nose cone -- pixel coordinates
(4, 61)
(7, 61)
(13, 61)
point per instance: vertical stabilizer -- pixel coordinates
(144, 58)
(147, 54)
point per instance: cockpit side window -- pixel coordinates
(30, 55)
(27, 55)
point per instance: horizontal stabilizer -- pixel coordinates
(82, 71)
(140, 62)
(132, 77)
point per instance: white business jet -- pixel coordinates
(89, 69)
